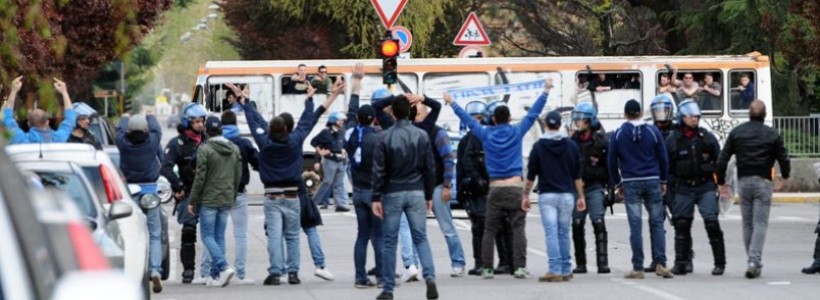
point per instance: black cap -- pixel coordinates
(632, 108)
(213, 122)
(366, 114)
(553, 119)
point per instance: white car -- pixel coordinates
(110, 186)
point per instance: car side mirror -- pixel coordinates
(119, 210)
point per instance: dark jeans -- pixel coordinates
(504, 202)
(704, 195)
(645, 193)
(369, 229)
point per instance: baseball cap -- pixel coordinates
(553, 119)
(213, 122)
(632, 108)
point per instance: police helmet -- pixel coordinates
(83, 110)
(585, 110)
(192, 111)
(662, 108)
(336, 116)
(474, 108)
(380, 93)
(687, 108)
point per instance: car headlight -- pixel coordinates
(149, 201)
(164, 189)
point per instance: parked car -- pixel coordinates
(109, 186)
(70, 179)
(47, 249)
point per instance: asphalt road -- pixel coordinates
(788, 248)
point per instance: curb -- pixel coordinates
(794, 199)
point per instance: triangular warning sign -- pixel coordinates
(472, 33)
(388, 10)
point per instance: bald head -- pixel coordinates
(757, 110)
(38, 118)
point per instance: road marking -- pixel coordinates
(647, 289)
(172, 276)
(537, 252)
(780, 283)
(462, 225)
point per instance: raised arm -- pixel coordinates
(17, 134)
(385, 120)
(353, 104)
(257, 125)
(307, 119)
(535, 110)
(435, 110)
(477, 129)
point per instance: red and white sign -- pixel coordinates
(472, 33)
(470, 51)
(404, 36)
(388, 10)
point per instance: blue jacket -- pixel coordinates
(18, 136)
(249, 154)
(638, 150)
(556, 161)
(140, 163)
(280, 161)
(502, 143)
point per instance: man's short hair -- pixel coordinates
(401, 107)
(709, 75)
(277, 127)
(501, 115)
(228, 118)
(229, 93)
(302, 65)
(321, 67)
(745, 75)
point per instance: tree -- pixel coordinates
(300, 29)
(44, 39)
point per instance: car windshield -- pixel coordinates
(72, 185)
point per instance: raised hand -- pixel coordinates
(310, 90)
(358, 71)
(60, 86)
(16, 85)
(338, 86)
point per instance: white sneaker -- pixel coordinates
(410, 274)
(457, 272)
(324, 274)
(244, 281)
(225, 277)
(200, 281)
(212, 282)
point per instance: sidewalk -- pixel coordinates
(796, 198)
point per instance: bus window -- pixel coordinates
(702, 86)
(743, 89)
(435, 84)
(609, 90)
(260, 90)
(371, 82)
(524, 100)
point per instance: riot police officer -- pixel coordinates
(181, 152)
(81, 134)
(592, 141)
(693, 154)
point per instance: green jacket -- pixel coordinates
(218, 171)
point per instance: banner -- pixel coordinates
(495, 90)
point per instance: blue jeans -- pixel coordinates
(556, 216)
(704, 195)
(152, 217)
(213, 221)
(395, 205)
(595, 205)
(409, 254)
(444, 217)
(283, 223)
(369, 229)
(239, 219)
(315, 245)
(183, 217)
(334, 173)
(648, 193)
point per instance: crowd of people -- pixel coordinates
(402, 165)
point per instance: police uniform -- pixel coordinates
(594, 174)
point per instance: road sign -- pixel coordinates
(404, 36)
(472, 33)
(388, 10)
(470, 51)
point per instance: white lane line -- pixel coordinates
(780, 283)
(647, 289)
(462, 225)
(537, 252)
(174, 253)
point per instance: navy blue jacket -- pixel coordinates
(639, 151)
(364, 139)
(249, 154)
(557, 164)
(140, 163)
(280, 160)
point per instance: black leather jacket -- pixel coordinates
(403, 161)
(756, 147)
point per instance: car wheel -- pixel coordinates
(166, 265)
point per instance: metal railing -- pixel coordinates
(801, 135)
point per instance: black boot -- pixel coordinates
(682, 246)
(601, 247)
(718, 247)
(187, 252)
(580, 246)
(477, 228)
(815, 267)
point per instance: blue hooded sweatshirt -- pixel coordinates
(140, 163)
(638, 150)
(502, 143)
(18, 136)
(249, 154)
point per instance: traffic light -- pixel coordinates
(389, 50)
